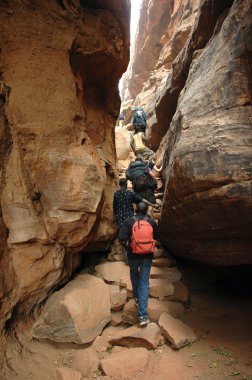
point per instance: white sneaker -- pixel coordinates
(143, 321)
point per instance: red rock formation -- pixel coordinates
(60, 63)
(198, 101)
(207, 150)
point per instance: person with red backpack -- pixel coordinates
(138, 235)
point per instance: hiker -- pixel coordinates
(138, 144)
(143, 185)
(155, 169)
(122, 202)
(139, 120)
(138, 234)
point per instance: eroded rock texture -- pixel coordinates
(60, 66)
(200, 114)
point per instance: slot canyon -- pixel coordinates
(66, 303)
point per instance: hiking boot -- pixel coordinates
(143, 321)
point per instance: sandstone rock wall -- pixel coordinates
(60, 66)
(198, 100)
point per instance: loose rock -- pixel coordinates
(125, 363)
(177, 332)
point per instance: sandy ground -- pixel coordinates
(220, 313)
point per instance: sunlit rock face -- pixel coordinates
(198, 101)
(60, 67)
(162, 33)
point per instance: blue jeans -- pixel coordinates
(139, 275)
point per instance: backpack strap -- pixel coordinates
(136, 220)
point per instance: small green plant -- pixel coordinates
(235, 373)
(213, 364)
(221, 351)
(194, 354)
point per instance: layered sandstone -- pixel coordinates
(207, 150)
(198, 101)
(60, 66)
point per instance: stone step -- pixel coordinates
(113, 271)
(155, 309)
(118, 296)
(164, 262)
(160, 288)
(181, 293)
(135, 336)
(171, 274)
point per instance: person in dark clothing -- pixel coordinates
(146, 191)
(140, 264)
(139, 120)
(123, 202)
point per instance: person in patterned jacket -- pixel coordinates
(123, 202)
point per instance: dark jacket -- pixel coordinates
(126, 233)
(122, 204)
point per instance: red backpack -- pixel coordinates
(142, 240)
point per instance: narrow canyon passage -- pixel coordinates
(66, 301)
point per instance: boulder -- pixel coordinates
(125, 363)
(122, 138)
(77, 313)
(113, 271)
(176, 331)
(118, 296)
(134, 336)
(160, 288)
(86, 361)
(65, 373)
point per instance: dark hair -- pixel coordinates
(141, 208)
(139, 158)
(123, 182)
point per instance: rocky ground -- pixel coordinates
(218, 311)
